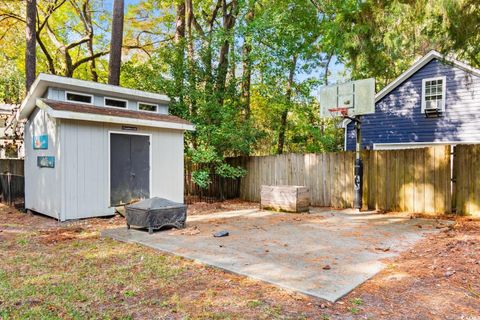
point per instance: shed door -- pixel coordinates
(129, 168)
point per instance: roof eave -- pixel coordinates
(60, 114)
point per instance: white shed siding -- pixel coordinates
(85, 148)
(167, 164)
(55, 94)
(42, 185)
(85, 173)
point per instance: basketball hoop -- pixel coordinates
(350, 100)
(341, 112)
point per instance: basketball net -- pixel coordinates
(339, 113)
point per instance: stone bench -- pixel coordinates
(285, 198)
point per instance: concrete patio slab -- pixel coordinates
(324, 254)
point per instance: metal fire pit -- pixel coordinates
(156, 213)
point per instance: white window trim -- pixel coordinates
(444, 92)
(117, 99)
(81, 94)
(148, 104)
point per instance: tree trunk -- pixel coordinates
(86, 12)
(180, 25)
(288, 101)
(207, 55)
(116, 43)
(192, 81)
(179, 72)
(228, 24)
(30, 51)
(247, 67)
(327, 70)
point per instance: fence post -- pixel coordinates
(9, 191)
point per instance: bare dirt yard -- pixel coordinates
(66, 271)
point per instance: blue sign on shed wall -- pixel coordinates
(46, 161)
(40, 142)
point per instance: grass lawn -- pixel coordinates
(51, 271)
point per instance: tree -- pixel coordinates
(68, 33)
(31, 44)
(283, 39)
(116, 43)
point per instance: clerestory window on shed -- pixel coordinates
(78, 97)
(117, 103)
(147, 107)
(433, 94)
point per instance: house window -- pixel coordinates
(433, 94)
(147, 107)
(117, 103)
(78, 97)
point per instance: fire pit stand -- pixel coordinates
(156, 213)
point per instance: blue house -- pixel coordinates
(436, 101)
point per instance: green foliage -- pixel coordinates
(357, 301)
(12, 85)
(201, 178)
(227, 171)
(204, 155)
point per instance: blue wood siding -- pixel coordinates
(398, 117)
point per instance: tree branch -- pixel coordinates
(89, 58)
(9, 15)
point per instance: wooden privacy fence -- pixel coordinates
(466, 178)
(411, 180)
(218, 190)
(12, 183)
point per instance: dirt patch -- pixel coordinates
(227, 205)
(437, 279)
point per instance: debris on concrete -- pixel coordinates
(189, 231)
(223, 233)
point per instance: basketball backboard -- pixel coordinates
(358, 97)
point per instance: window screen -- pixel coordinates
(433, 94)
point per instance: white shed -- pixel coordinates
(90, 147)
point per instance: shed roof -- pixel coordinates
(78, 111)
(44, 81)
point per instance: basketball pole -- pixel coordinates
(358, 171)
